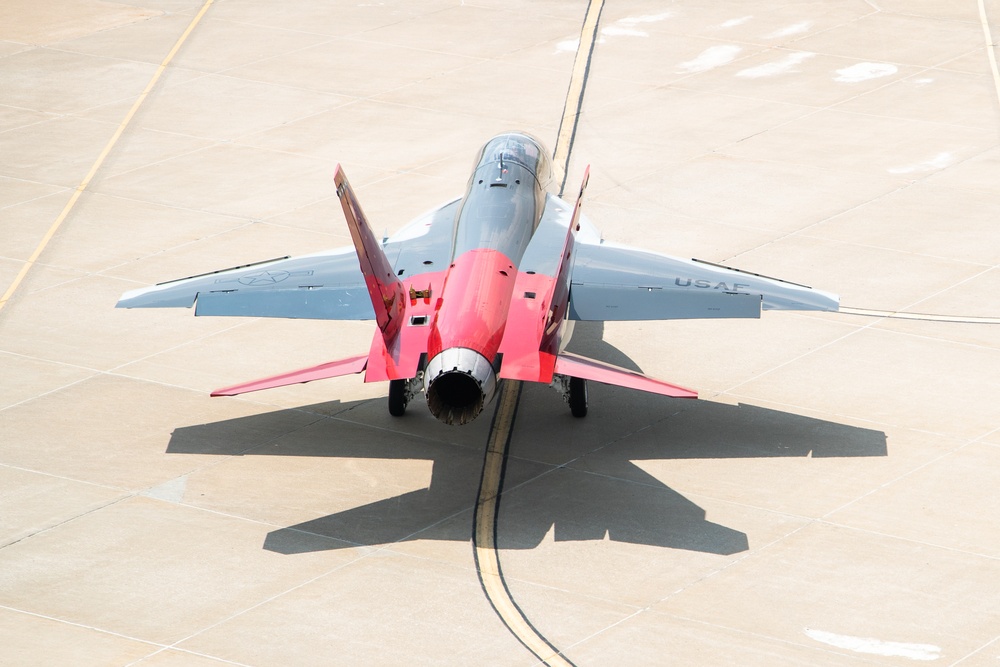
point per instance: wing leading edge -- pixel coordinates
(322, 286)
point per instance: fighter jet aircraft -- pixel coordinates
(484, 288)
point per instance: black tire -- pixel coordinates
(578, 397)
(397, 397)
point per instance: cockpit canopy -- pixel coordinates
(518, 148)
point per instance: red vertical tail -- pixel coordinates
(532, 337)
(384, 287)
(559, 296)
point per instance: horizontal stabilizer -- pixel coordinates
(590, 369)
(328, 370)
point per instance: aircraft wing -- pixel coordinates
(327, 285)
(615, 282)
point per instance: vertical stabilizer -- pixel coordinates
(384, 287)
(534, 331)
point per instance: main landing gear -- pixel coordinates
(401, 392)
(574, 392)
(578, 397)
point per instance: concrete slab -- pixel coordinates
(48, 21)
(761, 195)
(650, 638)
(449, 92)
(690, 124)
(940, 503)
(38, 377)
(211, 44)
(38, 502)
(224, 108)
(23, 224)
(308, 68)
(768, 23)
(14, 117)
(179, 567)
(365, 132)
(829, 501)
(64, 160)
(319, 20)
(59, 82)
(969, 98)
(246, 182)
(348, 612)
(970, 298)
(30, 639)
(245, 350)
(972, 238)
(865, 39)
(928, 396)
(349, 486)
(879, 278)
(594, 536)
(872, 144)
(766, 458)
(175, 658)
(837, 588)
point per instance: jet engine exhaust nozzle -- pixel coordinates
(458, 383)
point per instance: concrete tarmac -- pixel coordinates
(831, 500)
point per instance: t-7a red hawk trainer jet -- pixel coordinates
(482, 289)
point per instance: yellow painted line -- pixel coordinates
(487, 505)
(85, 183)
(577, 85)
(487, 557)
(990, 48)
(926, 317)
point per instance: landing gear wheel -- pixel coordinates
(398, 398)
(578, 397)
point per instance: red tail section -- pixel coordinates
(384, 287)
(395, 351)
(532, 336)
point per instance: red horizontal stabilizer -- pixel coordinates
(330, 369)
(599, 371)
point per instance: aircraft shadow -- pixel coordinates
(598, 497)
(588, 340)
